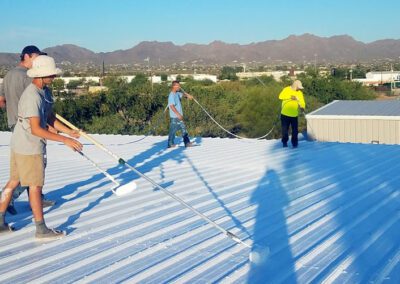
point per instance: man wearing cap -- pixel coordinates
(176, 115)
(14, 83)
(28, 144)
(292, 100)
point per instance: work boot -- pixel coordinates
(44, 233)
(5, 228)
(47, 203)
(49, 234)
(190, 144)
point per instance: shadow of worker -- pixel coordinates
(270, 232)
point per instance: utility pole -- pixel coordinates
(391, 75)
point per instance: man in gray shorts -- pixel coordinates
(28, 144)
(14, 84)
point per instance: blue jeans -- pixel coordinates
(174, 125)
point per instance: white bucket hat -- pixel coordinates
(43, 66)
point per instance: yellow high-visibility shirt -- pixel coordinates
(291, 107)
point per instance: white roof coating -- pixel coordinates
(327, 211)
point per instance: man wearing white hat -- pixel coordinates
(14, 84)
(28, 144)
(292, 100)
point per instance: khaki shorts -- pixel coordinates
(27, 169)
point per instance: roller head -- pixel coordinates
(125, 188)
(259, 255)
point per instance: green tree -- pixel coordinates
(164, 77)
(74, 84)
(58, 85)
(228, 73)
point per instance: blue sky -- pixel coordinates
(108, 25)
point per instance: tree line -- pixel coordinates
(248, 108)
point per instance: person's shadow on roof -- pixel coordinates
(216, 196)
(270, 231)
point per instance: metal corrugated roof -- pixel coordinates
(327, 211)
(360, 108)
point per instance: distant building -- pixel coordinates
(277, 75)
(356, 122)
(91, 78)
(201, 77)
(197, 77)
(377, 78)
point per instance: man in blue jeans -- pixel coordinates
(176, 115)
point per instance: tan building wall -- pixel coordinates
(382, 130)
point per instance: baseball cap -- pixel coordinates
(30, 49)
(297, 85)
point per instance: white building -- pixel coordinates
(277, 75)
(356, 122)
(197, 77)
(379, 77)
(87, 79)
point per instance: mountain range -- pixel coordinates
(299, 49)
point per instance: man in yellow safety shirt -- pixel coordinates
(292, 100)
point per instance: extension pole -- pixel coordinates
(100, 169)
(123, 162)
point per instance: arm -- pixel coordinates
(59, 126)
(173, 108)
(301, 101)
(2, 97)
(2, 102)
(37, 130)
(187, 95)
(285, 95)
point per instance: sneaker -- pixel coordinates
(11, 209)
(5, 228)
(47, 203)
(51, 234)
(172, 146)
(190, 144)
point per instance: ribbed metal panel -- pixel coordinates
(328, 212)
(364, 108)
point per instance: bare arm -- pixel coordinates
(189, 96)
(37, 130)
(59, 126)
(2, 102)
